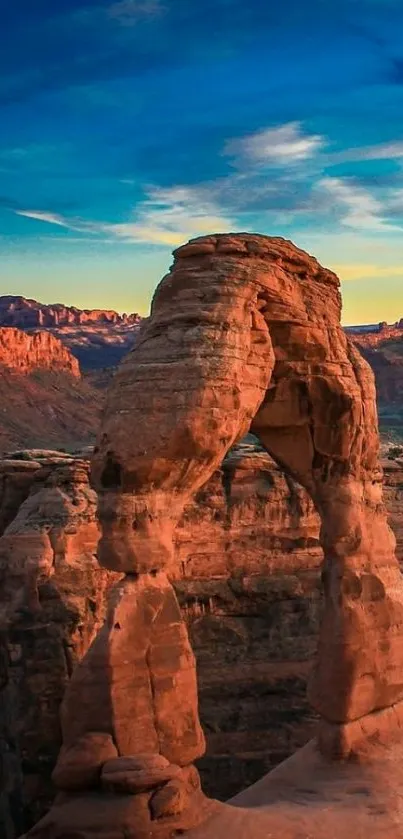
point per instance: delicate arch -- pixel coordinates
(244, 334)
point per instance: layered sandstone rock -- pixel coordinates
(39, 351)
(393, 494)
(250, 594)
(383, 349)
(377, 335)
(244, 333)
(16, 477)
(26, 313)
(43, 398)
(249, 553)
(98, 338)
(52, 604)
(247, 330)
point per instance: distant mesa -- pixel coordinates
(98, 338)
(25, 313)
(377, 331)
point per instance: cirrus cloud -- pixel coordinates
(51, 218)
(164, 217)
(299, 190)
(281, 145)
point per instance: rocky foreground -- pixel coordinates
(249, 589)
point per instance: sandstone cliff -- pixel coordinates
(377, 335)
(43, 399)
(39, 351)
(52, 603)
(97, 338)
(383, 349)
(249, 590)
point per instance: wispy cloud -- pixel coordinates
(278, 146)
(296, 191)
(360, 209)
(165, 217)
(131, 12)
(382, 151)
(51, 218)
(168, 216)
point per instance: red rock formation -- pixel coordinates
(281, 310)
(249, 554)
(249, 596)
(43, 399)
(374, 337)
(243, 333)
(16, 477)
(388, 369)
(383, 349)
(25, 313)
(393, 494)
(51, 606)
(98, 338)
(39, 351)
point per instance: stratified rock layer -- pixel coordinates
(249, 555)
(52, 603)
(244, 334)
(249, 592)
(26, 313)
(39, 351)
(44, 401)
(98, 338)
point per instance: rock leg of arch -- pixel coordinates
(244, 333)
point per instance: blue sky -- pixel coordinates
(129, 126)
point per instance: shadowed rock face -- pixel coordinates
(249, 557)
(248, 552)
(244, 333)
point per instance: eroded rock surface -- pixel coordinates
(41, 350)
(52, 604)
(244, 333)
(96, 337)
(250, 596)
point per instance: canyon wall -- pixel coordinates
(98, 338)
(39, 351)
(249, 589)
(383, 349)
(43, 398)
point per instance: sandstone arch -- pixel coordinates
(244, 333)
